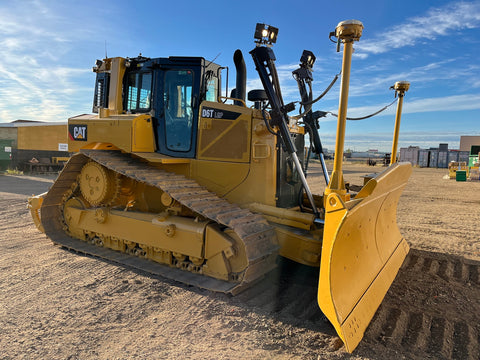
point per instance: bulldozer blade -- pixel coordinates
(362, 252)
(34, 205)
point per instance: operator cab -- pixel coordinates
(170, 90)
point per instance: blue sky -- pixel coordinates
(47, 50)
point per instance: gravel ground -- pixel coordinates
(56, 304)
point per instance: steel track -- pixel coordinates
(253, 230)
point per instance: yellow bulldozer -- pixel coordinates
(172, 177)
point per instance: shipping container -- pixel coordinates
(463, 156)
(452, 156)
(423, 157)
(409, 154)
(433, 161)
(442, 159)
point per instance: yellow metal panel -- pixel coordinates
(225, 140)
(216, 242)
(115, 101)
(357, 321)
(116, 130)
(41, 137)
(299, 245)
(241, 183)
(243, 179)
(224, 132)
(143, 139)
(261, 183)
(161, 159)
(177, 234)
(362, 252)
(34, 205)
(219, 178)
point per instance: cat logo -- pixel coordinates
(77, 132)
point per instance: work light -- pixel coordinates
(265, 34)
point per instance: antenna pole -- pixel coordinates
(346, 32)
(401, 88)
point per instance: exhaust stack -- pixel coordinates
(241, 84)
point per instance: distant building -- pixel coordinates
(438, 157)
(23, 140)
(366, 154)
(467, 141)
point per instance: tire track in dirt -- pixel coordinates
(289, 296)
(449, 268)
(424, 335)
(424, 327)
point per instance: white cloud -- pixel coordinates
(366, 82)
(438, 22)
(448, 103)
(35, 82)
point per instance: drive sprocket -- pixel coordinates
(98, 185)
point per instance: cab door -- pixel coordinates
(177, 111)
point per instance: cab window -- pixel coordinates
(212, 86)
(139, 91)
(178, 109)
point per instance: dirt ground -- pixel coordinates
(55, 304)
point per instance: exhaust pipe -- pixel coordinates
(241, 84)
